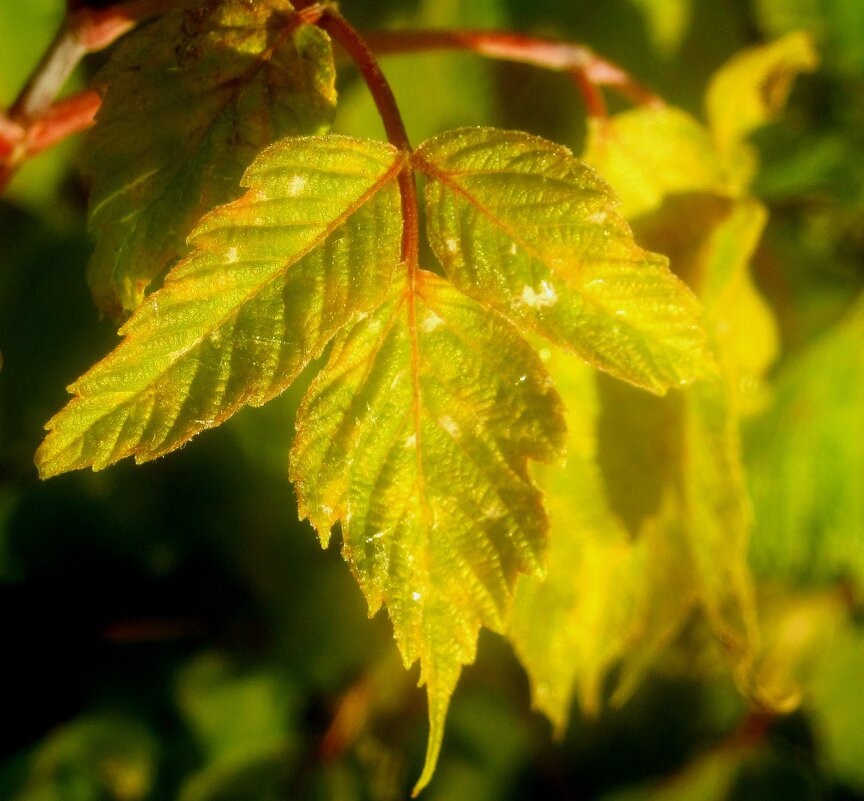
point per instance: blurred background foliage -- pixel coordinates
(171, 630)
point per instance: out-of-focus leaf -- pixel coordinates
(837, 26)
(216, 82)
(234, 713)
(648, 153)
(521, 225)
(273, 277)
(570, 626)
(601, 598)
(415, 437)
(836, 703)
(797, 635)
(750, 91)
(102, 757)
(709, 777)
(667, 22)
(671, 536)
(806, 462)
(690, 494)
(243, 723)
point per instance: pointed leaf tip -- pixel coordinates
(416, 436)
(273, 277)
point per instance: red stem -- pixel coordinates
(83, 31)
(34, 121)
(64, 118)
(354, 45)
(591, 70)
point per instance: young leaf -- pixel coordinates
(416, 437)
(521, 225)
(273, 276)
(189, 101)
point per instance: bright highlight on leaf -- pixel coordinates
(190, 101)
(521, 225)
(416, 438)
(272, 278)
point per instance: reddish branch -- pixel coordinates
(353, 44)
(587, 69)
(35, 121)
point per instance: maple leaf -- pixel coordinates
(189, 102)
(272, 277)
(416, 437)
(521, 225)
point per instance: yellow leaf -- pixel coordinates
(523, 226)
(750, 91)
(648, 153)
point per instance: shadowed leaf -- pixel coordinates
(189, 101)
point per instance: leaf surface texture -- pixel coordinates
(273, 276)
(416, 438)
(521, 225)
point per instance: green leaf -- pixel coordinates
(189, 101)
(667, 23)
(415, 438)
(648, 153)
(97, 756)
(522, 226)
(806, 463)
(273, 276)
(837, 704)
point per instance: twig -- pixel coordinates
(34, 121)
(587, 69)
